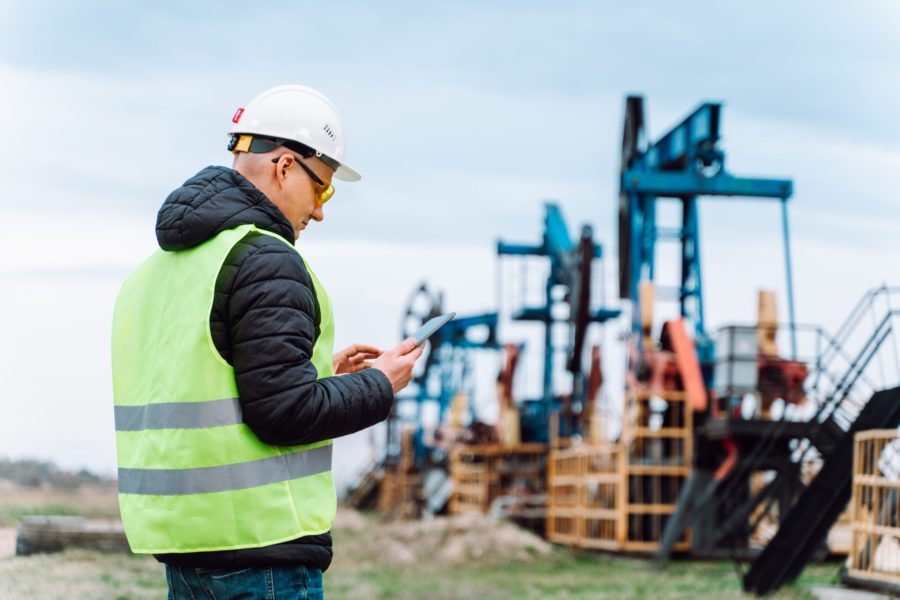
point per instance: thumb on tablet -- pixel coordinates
(407, 346)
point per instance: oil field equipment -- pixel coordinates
(667, 399)
(460, 463)
(862, 395)
(874, 556)
(739, 471)
(748, 468)
(571, 271)
(728, 446)
(682, 166)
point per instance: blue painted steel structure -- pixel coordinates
(450, 361)
(570, 268)
(684, 164)
(448, 369)
(448, 366)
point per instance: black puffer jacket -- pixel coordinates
(264, 322)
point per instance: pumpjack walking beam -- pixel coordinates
(684, 164)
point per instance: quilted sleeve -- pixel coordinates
(264, 324)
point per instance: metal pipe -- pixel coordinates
(790, 278)
(548, 344)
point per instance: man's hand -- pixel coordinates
(352, 359)
(397, 363)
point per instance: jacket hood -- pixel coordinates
(213, 200)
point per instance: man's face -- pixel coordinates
(300, 204)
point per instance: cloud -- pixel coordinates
(527, 107)
(463, 120)
(56, 310)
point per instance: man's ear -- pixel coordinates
(282, 166)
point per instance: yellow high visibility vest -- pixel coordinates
(192, 476)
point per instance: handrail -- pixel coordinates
(865, 355)
(859, 364)
(834, 404)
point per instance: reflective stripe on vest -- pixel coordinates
(192, 476)
(206, 480)
(179, 415)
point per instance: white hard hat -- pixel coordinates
(300, 114)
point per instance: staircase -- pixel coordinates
(843, 413)
(807, 524)
(840, 382)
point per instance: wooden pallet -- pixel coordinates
(875, 508)
(400, 494)
(483, 473)
(586, 496)
(659, 452)
(618, 496)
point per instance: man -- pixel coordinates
(226, 390)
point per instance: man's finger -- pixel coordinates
(367, 349)
(362, 356)
(406, 346)
(416, 353)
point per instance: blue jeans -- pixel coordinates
(255, 583)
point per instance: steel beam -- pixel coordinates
(678, 185)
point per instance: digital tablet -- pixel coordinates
(426, 330)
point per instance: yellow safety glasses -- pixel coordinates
(323, 190)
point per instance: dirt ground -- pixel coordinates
(363, 543)
(443, 558)
(87, 501)
(447, 541)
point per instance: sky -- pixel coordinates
(463, 118)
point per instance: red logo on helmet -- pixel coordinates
(237, 115)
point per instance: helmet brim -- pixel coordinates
(345, 173)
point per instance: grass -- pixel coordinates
(81, 574)
(559, 576)
(362, 569)
(92, 575)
